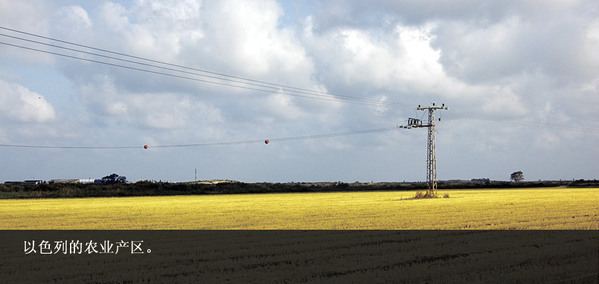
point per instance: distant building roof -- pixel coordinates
(64, 180)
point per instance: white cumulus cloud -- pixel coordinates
(23, 105)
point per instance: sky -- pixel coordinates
(84, 85)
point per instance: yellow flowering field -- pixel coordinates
(501, 209)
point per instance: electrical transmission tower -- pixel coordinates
(431, 159)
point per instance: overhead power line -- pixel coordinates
(324, 98)
(209, 76)
(66, 147)
(235, 142)
(156, 67)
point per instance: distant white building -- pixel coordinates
(63, 180)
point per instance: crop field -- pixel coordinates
(463, 256)
(224, 238)
(505, 209)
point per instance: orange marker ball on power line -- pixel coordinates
(266, 141)
(145, 146)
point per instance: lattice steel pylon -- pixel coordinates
(431, 159)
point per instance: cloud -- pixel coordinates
(511, 47)
(388, 13)
(400, 59)
(504, 101)
(210, 36)
(235, 37)
(31, 16)
(244, 38)
(153, 110)
(496, 64)
(23, 105)
(76, 18)
(12, 14)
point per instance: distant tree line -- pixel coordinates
(118, 187)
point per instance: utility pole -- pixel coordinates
(431, 159)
